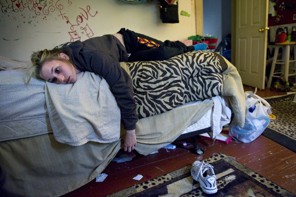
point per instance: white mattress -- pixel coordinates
(16, 129)
(23, 112)
(22, 107)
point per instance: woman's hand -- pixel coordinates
(130, 140)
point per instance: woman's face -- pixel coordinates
(59, 71)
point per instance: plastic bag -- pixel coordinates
(257, 119)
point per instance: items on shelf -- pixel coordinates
(283, 35)
(211, 41)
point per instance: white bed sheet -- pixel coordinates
(203, 123)
(215, 118)
(23, 111)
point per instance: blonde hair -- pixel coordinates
(40, 57)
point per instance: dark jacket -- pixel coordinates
(102, 55)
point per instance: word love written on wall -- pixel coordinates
(31, 11)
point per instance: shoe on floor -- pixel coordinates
(205, 175)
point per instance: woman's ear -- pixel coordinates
(64, 56)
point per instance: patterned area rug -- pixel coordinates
(283, 129)
(233, 179)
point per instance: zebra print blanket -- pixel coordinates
(160, 86)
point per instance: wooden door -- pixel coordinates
(249, 30)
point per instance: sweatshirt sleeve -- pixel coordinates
(119, 81)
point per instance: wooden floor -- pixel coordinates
(263, 156)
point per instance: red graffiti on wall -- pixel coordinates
(37, 7)
(84, 15)
(45, 10)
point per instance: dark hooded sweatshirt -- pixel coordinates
(101, 55)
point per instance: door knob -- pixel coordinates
(263, 29)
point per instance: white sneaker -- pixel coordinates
(205, 175)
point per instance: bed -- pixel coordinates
(43, 155)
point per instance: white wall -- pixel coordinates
(27, 27)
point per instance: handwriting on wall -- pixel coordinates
(31, 12)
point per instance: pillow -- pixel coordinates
(83, 111)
